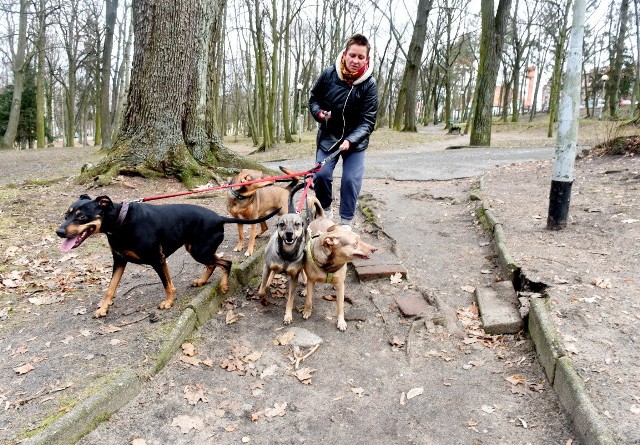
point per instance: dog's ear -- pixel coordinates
(85, 196)
(104, 202)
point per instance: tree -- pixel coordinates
(19, 65)
(164, 127)
(105, 73)
(491, 42)
(615, 73)
(409, 85)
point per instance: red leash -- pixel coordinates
(226, 186)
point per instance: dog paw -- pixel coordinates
(247, 253)
(342, 325)
(102, 312)
(224, 288)
(306, 314)
(287, 319)
(197, 283)
(165, 304)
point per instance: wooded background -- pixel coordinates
(93, 72)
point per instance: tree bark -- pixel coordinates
(491, 42)
(616, 70)
(164, 124)
(105, 74)
(18, 68)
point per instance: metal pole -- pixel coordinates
(563, 164)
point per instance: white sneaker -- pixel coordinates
(328, 212)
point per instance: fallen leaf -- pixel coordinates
(188, 349)
(414, 392)
(39, 301)
(24, 369)
(468, 289)
(232, 317)
(116, 342)
(304, 375)
(523, 423)
(110, 329)
(194, 394)
(193, 361)
(253, 357)
(187, 423)
(396, 278)
(278, 410)
(516, 379)
(358, 391)
(285, 338)
(488, 409)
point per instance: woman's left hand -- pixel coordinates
(345, 145)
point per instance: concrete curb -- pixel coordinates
(551, 352)
(127, 384)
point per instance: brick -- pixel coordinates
(498, 309)
(412, 305)
(374, 271)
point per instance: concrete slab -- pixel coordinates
(380, 265)
(499, 308)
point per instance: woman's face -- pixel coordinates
(355, 57)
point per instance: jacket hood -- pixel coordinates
(364, 76)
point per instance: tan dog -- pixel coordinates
(328, 251)
(255, 199)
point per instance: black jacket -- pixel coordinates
(353, 109)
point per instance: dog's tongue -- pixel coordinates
(68, 244)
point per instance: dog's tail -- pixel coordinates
(295, 180)
(227, 220)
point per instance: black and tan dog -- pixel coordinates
(254, 200)
(328, 251)
(148, 234)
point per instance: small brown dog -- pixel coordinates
(328, 251)
(255, 199)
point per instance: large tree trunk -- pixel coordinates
(491, 42)
(40, 48)
(164, 124)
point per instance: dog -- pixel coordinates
(148, 234)
(285, 254)
(255, 200)
(327, 253)
(455, 129)
(286, 248)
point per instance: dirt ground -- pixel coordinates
(387, 380)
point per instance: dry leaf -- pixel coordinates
(488, 409)
(24, 369)
(187, 423)
(190, 360)
(253, 357)
(194, 394)
(396, 278)
(188, 349)
(278, 410)
(358, 391)
(516, 379)
(414, 392)
(285, 338)
(39, 301)
(468, 289)
(304, 375)
(110, 329)
(232, 317)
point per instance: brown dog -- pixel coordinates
(245, 201)
(328, 251)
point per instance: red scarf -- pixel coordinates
(351, 76)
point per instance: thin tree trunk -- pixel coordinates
(491, 42)
(616, 69)
(18, 68)
(105, 75)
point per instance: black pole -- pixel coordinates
(559, 200)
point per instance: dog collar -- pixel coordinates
(123, 212)
(237, 195)
(329, 277)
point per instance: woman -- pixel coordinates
(344, 100)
